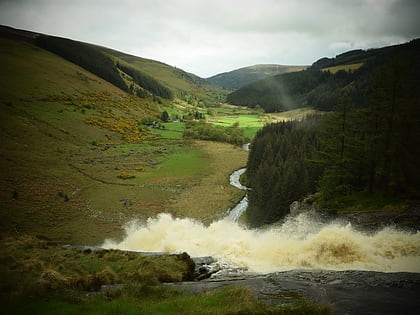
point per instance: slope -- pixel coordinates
(240, 77)
(53, 115)
(186, 86)
(135, 75)
(74, 164)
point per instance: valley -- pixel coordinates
(112, 154)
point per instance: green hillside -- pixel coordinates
(322, 85)
(235, 79)
(186, 86)
(53, 116)
(75, 162)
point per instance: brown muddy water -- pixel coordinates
(301, 242)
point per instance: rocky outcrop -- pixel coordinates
(307, 204)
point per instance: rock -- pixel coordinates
(347, 292)
(189, 273)
(294, 207)
(206, 260)
(307, 204)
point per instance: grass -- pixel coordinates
(185, 164)
(20, 59)
(39, 277)
(213, 195)
(173, 130)
(296, 114)
(367, 202)
(165, 301)
(348, 68)
(250, 123)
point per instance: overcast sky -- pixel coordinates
(214, 36)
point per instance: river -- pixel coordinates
(235, 213)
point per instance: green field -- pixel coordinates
(349, 67)
(250, 123)
(227, 116)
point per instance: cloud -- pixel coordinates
(208, 37)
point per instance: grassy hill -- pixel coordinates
(235, 79)
(328, 79)
(186, 86)
(75, 163)
(135, 75)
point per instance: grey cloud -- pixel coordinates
(206, 37)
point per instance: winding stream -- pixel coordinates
(240, 208)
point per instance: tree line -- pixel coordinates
(147, 82)
(279, 170)
(99, 63)
(85, 56)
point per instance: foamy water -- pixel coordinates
(301, 242)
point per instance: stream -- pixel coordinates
(235, 213)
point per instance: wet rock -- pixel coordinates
(308, 204)
(348, 292)
(203, 273)
(206, 260)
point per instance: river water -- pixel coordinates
(235, 213)
(301, 242)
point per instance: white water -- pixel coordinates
(301, 242)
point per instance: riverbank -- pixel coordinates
(347, 292)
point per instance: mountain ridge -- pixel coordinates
(328, 79)
(147, 77)
(237, 78)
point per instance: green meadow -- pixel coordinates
(250, 123)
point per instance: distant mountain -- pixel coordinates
(235, 79)
(329, 79)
